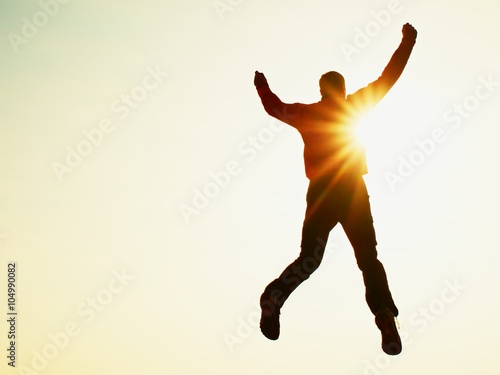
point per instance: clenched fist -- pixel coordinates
(409, 32)
(259, 79)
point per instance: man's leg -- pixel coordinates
(358, 225)
(312, 251)
(317, 225)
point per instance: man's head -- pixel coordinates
(332, 84)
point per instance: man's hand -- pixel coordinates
(259, 79)
(409, 32)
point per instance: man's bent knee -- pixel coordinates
(309, 265)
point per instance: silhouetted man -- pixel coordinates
(337, 192)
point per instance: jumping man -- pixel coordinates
(337, 193)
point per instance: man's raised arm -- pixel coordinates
(272, 104)
(376, 90)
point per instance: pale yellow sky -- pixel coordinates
(147, 198)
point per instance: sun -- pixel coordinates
(375, 129)
(362, 132)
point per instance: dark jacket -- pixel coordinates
(327, 127)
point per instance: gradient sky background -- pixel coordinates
(186, 302)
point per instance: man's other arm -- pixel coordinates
(376, 90)
(272, 104)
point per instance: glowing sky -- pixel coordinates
(147, 198)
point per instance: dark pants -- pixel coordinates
(330, 202)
